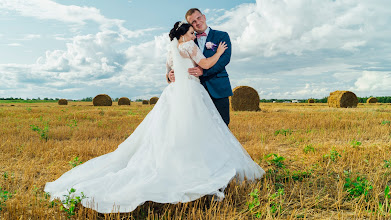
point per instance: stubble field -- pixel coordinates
(321, 162)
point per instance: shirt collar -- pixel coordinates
(207, 31)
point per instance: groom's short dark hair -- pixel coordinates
(191, 11)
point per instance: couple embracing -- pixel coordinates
(214, 79)
(183, 149)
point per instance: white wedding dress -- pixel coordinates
(180, 152)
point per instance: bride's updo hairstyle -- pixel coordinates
(179, 30)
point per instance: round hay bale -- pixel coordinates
(342, 99)
(372, 100)
(311, 100)
(145, 102)
(245, 98)
(63, 102)
(123, 101)
(102, 100)
(153, 100)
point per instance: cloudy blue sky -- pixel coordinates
(282, 48)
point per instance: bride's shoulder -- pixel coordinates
(190, 42)
(189, 45)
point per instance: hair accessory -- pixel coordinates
(180, 24)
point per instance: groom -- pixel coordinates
(215, 80)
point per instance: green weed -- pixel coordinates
(72, 123)
(75, 162)
(276, 201)
(386, 122)
(283, 131)
(385, 207)
(308, 148)
(333, 156)
(276, 160)
(43, 132)
(4, 196)
(71, 201)
(254, 203)
(357, 187)
(355, 143)
(300, 175)
(387, 164)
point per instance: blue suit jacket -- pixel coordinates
(215, 80)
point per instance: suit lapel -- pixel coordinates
(209, 38)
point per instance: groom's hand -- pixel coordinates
(171, 76)
(196, 71)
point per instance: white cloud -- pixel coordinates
(283, 49)
(373, 81)
(75, 16)
(92, 64)
(32, 36)
(304, 48)
(47, 9)
(14, 45)
(352, 45)
(89, 61)
(271, 28)
(146, 62)
(90, 56)
(61, 37)
(27, 37)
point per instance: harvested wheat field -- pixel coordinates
(321, 162)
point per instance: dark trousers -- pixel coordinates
(222, 106)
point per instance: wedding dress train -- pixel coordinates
(180, 152)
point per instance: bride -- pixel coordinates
(180, 152)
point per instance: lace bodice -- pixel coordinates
(187, 50)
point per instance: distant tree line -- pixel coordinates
(39, 99)
(89, 99)
(86, 99)
(381, 99)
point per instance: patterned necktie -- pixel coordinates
(200, 35)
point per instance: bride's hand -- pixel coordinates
(222, 47)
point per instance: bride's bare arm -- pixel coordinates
(207, 63)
